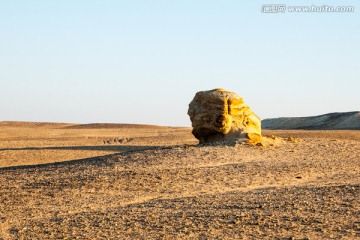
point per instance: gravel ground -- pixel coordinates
(304, 190)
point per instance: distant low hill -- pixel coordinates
(76, 126)
(33, 124)
(330, 121)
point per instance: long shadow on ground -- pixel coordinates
(81, 148)
(99, 160)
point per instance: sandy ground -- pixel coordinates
(62, 181)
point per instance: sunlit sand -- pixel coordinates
(66, 181)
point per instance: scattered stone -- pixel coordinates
(273, 137)
(291, 139)
(219, 114)
(117, 140)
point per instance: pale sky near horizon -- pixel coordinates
(141, 61)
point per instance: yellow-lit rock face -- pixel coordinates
(220, 114)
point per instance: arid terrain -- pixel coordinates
(121, 181)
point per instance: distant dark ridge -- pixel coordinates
(33, 124)
(112, 125)
(76, 126)
(330, 121)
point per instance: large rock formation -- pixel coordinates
(220, 114)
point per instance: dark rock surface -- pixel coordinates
(330, 121)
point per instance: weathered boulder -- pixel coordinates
(219, 114)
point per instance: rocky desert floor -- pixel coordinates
(119, 181)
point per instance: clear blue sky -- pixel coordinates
(141, 61)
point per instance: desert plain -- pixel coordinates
(123, 181)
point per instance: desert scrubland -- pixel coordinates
(109, 181)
